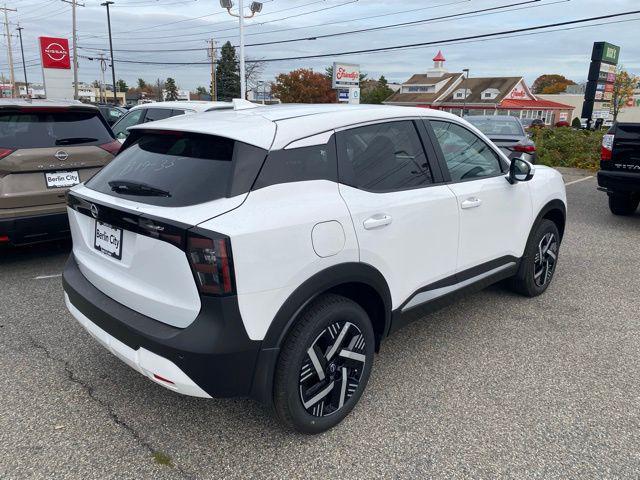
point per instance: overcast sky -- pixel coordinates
(163, 25)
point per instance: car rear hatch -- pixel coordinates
(134, 224)
(624, 156)
(46, 150)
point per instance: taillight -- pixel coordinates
(112, 147)
(606, 152)
(212, 264)
(525, 148)
(4, 152)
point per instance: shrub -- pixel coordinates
(576, 123)
(565, 147)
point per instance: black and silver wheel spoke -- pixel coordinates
(329, 379)
(545, 259)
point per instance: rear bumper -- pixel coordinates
(623, 182)
(213, 357)
(35, 228)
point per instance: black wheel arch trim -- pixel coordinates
(555, 204)
(312, 288)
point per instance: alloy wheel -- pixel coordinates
(545, 259)
(332, 369)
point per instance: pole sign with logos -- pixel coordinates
(601, 80)
(56, 68)
(346, 79)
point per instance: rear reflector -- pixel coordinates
(162, 379)
(525, 148)
(112, 147)
(210, 260)
(606, 153)
(4, 152)
(4, 238)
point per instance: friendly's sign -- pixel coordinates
(56, 68)
(345, 75)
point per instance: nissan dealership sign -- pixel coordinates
(56, 67)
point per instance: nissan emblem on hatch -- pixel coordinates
(61, 155)
(94, 210)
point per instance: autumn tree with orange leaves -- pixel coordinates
(303, 86)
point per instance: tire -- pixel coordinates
(539, 262)
(623, 204)
(324, 365)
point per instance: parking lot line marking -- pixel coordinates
(578, 181)
(42, 277)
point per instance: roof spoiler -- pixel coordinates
(240, 104)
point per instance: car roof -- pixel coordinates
(22, 103)
(274, 127)
(197, 105)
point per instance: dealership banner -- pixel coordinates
(56, 68)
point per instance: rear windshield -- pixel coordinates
(177, 169)
(43, 129)
(490, 126)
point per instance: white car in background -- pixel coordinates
(268, 252)
(150, 112)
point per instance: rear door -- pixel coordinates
(47, 150)
(626, 148)
(495, 216)
(405, 218)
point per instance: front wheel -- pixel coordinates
(324, 365)
(539, 261)
(623, 204)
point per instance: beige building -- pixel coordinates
(630, 113)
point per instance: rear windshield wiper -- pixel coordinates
(75, 140)
(137, 188)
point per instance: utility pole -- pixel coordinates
(74, 40)
(466, 86)
(9, 51)
(113, 66)
(24, 67)
(103, 68)
(213, 55)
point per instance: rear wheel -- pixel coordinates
(623, 204)
(539, 261)
(324, 365)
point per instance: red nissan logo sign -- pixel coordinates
(55, 52)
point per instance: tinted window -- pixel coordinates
(498, 126)
(154, 114)
(383, 157)
(175, 112)
(130, 119)
(317, 162)
(467, 156)
(191, 168)
(40, 129)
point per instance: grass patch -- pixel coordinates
(566, 147)
(162, 459)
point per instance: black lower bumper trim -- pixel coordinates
(214, 351)
(35, 228)
(623, 182)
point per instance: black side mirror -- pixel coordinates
(520, 171)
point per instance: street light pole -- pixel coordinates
(113, 66)
(466, 86)
(256, 7)
(24, 67)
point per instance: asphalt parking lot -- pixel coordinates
(493, 386)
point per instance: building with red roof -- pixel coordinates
(455, 93)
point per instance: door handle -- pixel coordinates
(377, 221)
(471, 202)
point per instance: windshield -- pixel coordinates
(497, 126)
(42, 129)
(176, 169)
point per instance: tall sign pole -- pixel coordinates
(601, 81)
(213, 57)
(9, 50)
(74, 43)
(24, 67)
(113, 66)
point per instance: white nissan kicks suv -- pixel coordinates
(268, 252)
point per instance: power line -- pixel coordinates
(410, 45)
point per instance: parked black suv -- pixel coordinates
(619, 173)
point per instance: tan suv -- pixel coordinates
(45, 148)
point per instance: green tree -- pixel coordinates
(379, 92)
(142, 84)
(122, 86)
(576, 123)
(551, 83)
(171, 89)
(228, 77)
(201, 91)
(623, 91)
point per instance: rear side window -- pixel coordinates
(176, 169)
(154, 114)
(44, 129)
(383, 157)
(317, 162)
